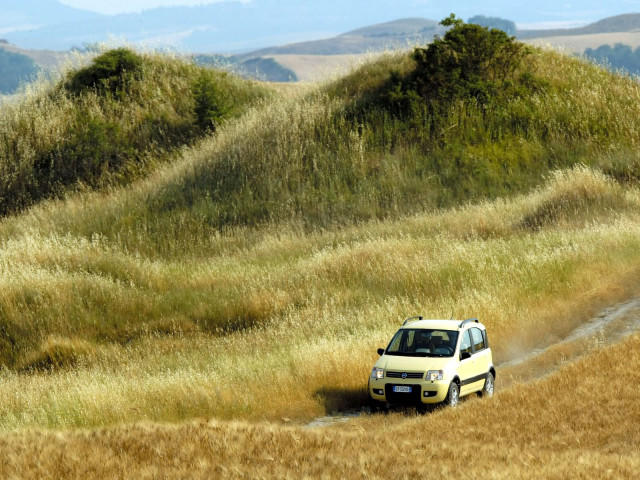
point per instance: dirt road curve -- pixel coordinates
(610, 326)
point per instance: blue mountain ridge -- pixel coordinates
(233, 26)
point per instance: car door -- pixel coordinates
(466, 369)
(481, 357)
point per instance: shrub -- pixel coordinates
(470, 62)
(112, 72)
(212, 103)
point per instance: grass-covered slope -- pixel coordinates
(540, 430)
(128, 337)
(383, 142)
(288, 246)
(109, 123)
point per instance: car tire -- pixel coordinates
(489, 386)
(453, 395)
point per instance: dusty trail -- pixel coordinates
(610, 326)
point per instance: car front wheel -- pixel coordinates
(453, 396)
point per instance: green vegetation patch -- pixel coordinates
(470, 63)
(110, 72)
(475, 115)
(110, 123)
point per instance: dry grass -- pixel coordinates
(538, 430)
(111, 336)
(125, 310)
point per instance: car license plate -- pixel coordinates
(402, 389)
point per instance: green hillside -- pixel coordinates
(109, 123)
(374, 144)
(629, 22)
(377, 144)
(206, 231)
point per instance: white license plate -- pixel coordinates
(401, 389)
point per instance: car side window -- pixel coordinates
(478, 339)
(465, 343)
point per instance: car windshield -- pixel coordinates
(423, 342)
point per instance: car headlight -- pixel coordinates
(433, 375)
(377, 373)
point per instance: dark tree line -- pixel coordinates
(507, 26)
(618, 57)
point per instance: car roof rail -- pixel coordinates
(416, 318)
(468, 320)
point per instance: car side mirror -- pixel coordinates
(465, 355)
(380, 351)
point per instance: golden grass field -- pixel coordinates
(137, 340)
(239, 402)
(579, 422)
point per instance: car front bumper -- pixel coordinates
(428, 392)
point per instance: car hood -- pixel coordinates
(412, 364)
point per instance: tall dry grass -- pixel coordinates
(255, 276)
(93, 124)
(285, 324)
(579, 423)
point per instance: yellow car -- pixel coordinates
(433, 361)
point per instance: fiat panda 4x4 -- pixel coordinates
(433, 361)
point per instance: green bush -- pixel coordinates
(112, 72)
(212, 103)
(470, 63)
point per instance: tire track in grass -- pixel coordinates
(611, 326)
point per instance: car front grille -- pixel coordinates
(411, 375)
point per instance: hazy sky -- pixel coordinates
(571, 12)
(120, 6)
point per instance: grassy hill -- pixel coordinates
(250, 276)
(109, 122)
(378, 37)
(620, 23)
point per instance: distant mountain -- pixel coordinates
(15, 68)
(234, 26)
(620, 23)
(396, 34)
(223, 27)
(266, 69)
(43, 58)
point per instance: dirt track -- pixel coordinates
(610, 326)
